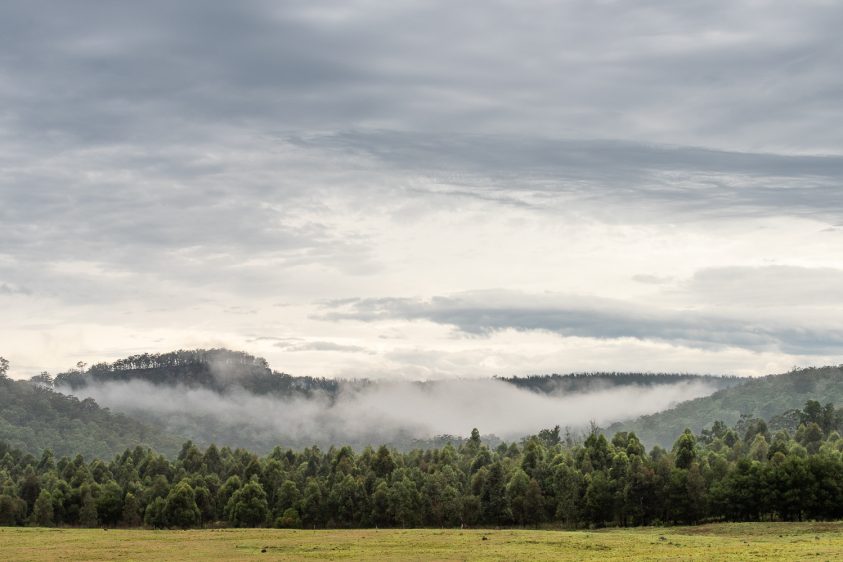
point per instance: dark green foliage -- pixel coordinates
(217, 369)
(131, 511)
(585, 382)
(42, 513)
(383, 464)
(88, 516)
(718, 475)
(35, 419)
(289, 519)
(288, 497)
(12, 510)
(247, 506)
(774, 398)
(516, 492)
(110, 503)
(402, 500)
(826, 417)
(684, 450)
(181, 509)
(156, 514)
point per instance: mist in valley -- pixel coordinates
(383, 412)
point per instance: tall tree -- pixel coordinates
(42, 513)
(516, 492)
(110, 503)
(685, 450)
(88, 512)
(248, 506)
(181, 509)
(131, 511)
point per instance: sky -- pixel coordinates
(423, 189)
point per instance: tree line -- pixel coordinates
(595, 381)
(221, 369)
(737, 473)
(216, 369)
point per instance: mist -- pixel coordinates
(380, 413)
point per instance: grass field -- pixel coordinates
(749, 541)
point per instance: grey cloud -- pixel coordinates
(626, 70)
(697, 182)
(182, 137)
(6, 289)
(166, 151)
(485, 312)
(769, 286)
(321, 346)
(170, 221)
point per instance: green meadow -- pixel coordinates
(744, 541)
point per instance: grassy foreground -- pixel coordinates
(748, 541)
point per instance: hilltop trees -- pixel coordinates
(217, 369)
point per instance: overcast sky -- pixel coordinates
(424, 189)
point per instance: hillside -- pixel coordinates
(764, 397)
(34, 418)
(235, 399)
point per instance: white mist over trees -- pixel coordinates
(381, 412)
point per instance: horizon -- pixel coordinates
(516, 376)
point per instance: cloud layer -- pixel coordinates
(423, 189)
(486, 312)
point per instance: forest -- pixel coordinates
(740, 473)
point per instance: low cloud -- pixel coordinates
(382, 412)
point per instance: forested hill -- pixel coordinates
(216, 369)
(33, 419)
(588, 382)
(764, 397)
(221, 369)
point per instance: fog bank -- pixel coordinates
(382, 412)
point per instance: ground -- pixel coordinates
(746, 541)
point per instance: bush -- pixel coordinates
(289, 519)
